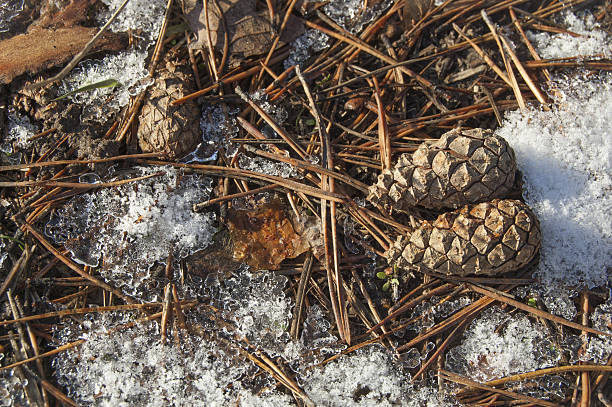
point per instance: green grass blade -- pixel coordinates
(106, 83)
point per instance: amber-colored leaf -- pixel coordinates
(264, 237)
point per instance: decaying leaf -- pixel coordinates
(41, 49)
(249, 30)
(414, 10)
(264, 237)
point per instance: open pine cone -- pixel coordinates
(489, 238)
(462, 167)
(174, 130)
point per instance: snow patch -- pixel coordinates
(144, 16)
(499, 344)
(132, 226)
(19, 130)
(565, 155)
(591, 41)
(131, 367)
(128, 68)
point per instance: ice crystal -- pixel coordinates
(498, 344)
(599, 347)
(591, 41)
(351, 14)
(269, 167)
(9, 9)
(306, 45)
(3, 255)
(135, 225)
(218, 125)
(11, 390)
(128, 68)
(557, 299)
(565, 155)
(142, 16)
(19, 130)
(256, 305)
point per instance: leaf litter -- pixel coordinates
(127, 234)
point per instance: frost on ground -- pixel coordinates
(128, 68)
(591, 41)
(499, 344)
(132, 226)
(144, 17)
(368, 377)
(9, 9)
(131, 367)
(19, 130)
(565, 155)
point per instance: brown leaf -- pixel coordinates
(41, 49)
(264, 237)
(249, 30)
(414, 10)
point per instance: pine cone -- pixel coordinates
(174, 130)
(488, 239)
(462, 167)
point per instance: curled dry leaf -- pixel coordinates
(414, 10)
(264, 237)
(249, 30)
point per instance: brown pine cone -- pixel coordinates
(489, 238)
(462, 167)
(174, 130)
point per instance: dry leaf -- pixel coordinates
(249, 30)
(264, 237)
(414, 10)
(41, 49)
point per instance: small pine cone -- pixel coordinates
(462, 167)
(174, 130)
(489, 238)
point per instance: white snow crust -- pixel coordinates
(565, 155)
(145, 16)
(590, 43)
(132, 226)
(498, 344)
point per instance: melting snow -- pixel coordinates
(591, 41)
(145, 16)
(19, 130)
(135, 225)
(131, 367)
(128, 68)
(498, 344)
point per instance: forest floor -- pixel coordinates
(186, 211)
